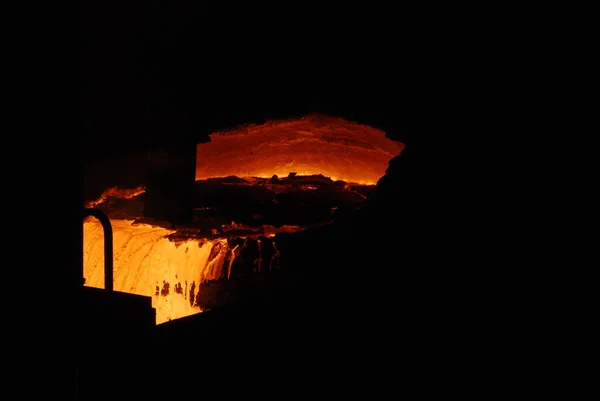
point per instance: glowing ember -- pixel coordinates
(116, 192)
(315, 144)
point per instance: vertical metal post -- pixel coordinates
(108, 245)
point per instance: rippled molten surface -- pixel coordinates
(315, 144)
(145, 260)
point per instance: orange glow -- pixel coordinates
(116, 192)
(144, 260)
(147, 262)
(315, 144)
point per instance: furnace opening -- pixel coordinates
(311, 145)
(255, 185)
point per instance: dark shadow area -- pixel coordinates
(371, 304)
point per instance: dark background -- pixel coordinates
(215, 70)
(156, 73)
(422, 74)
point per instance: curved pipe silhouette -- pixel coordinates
(108, 244)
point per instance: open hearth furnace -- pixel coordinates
(198, 246)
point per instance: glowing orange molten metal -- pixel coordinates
(146, 262)
(315, 144)
(121, 193)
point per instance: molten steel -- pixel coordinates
(147, 262)
(120, 193)
(315, 144)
